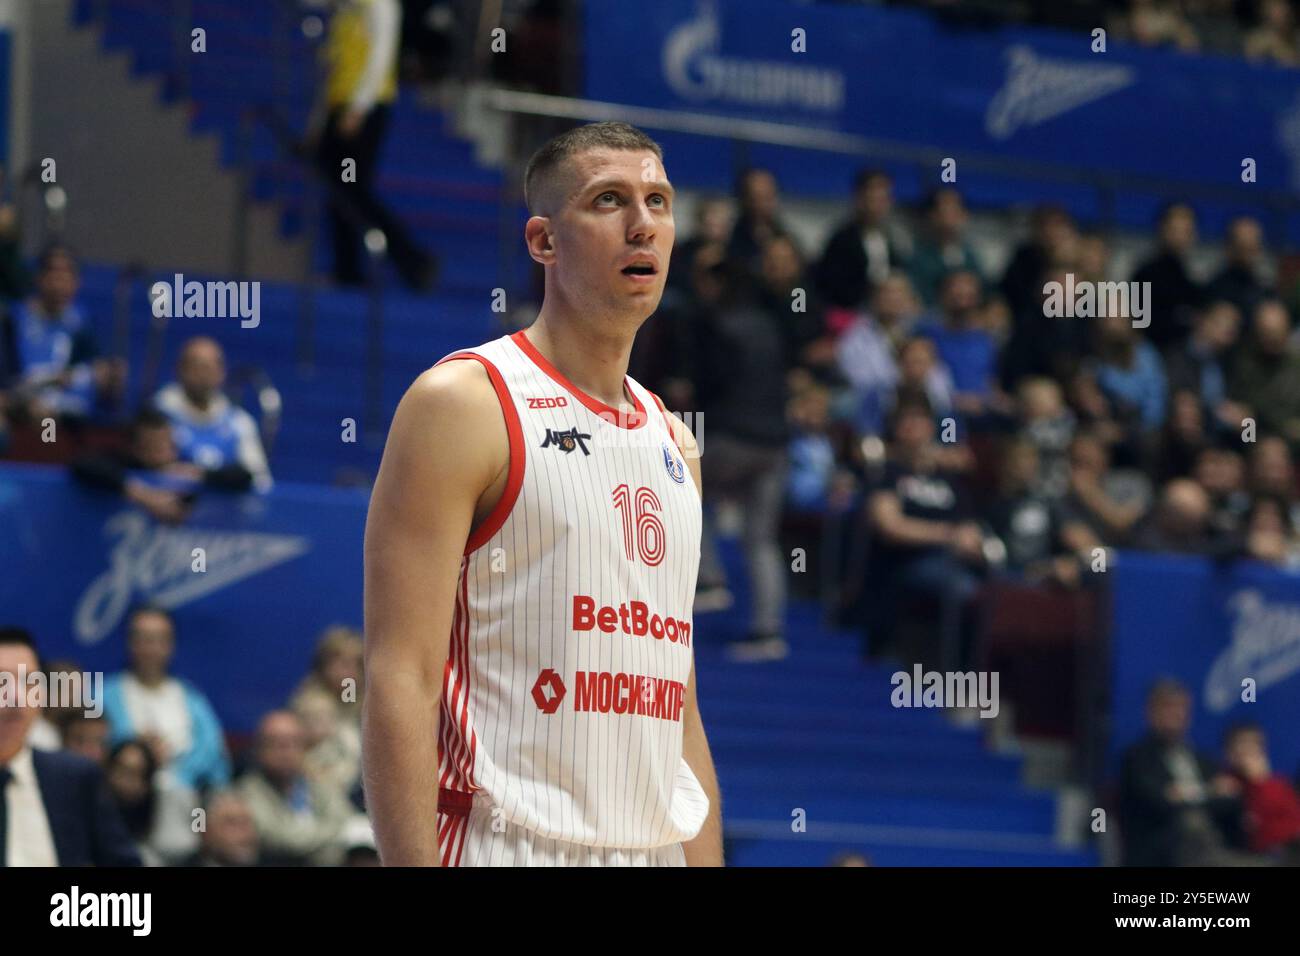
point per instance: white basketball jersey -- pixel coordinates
(572, 639)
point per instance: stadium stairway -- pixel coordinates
(813, 760)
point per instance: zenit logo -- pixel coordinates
(632, 617)
(558, 401)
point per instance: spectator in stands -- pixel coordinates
(230, 837)
(922, 378)
(1176, 810)
(812, 452)
(925, 541)
(1266, 376)
(1131, 375)
(1092, 262)
(1040, 344)
(14, 280)
(1174, 295)
(1222, 473)
(714, 222)
(299, 821)
(784, 293)
(87, 736)
(867, 349)
(1183, 438)
(1199, 365)
(1156, 23)
(47, 731)
(1111, 504)
(1271, 470)
(1241, 281)
(867, 248)
(759, 220)
(60, 371)
(967, 349)
(168, 714)
(209, 430)
(329, 702)
(1051, 248)
(150, 474)
(758, 342)
(1274, 39)
(1048, 425)
(1270, 536)
(348, 125)
(1181, 523)
(1270, 806)
(158, 817)
(943, 248)
(1039, 543)
(55, 809)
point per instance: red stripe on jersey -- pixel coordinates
(611, 414)
(515, 479)
(668, 420)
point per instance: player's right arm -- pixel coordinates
(446, 447)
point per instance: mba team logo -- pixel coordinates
(676, 469)
(566, 440)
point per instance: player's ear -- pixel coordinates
(537, 236)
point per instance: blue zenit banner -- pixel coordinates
(1213, 627)
(277, 570)
(900, 75)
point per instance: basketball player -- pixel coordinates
(531, 558)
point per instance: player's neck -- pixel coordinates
(594, 363)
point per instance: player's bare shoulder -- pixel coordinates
(449, 427)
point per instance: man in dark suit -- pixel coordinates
(55, 809)
(1176, 808)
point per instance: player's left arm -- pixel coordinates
(706, 848)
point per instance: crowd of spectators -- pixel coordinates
(1259, 30)
(58, 390)
(958, 425)
(165, 788)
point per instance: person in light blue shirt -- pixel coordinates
(60, 372)
(1131, 374)
(210, 431)
(169, 715)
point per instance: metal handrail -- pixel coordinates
(833, 141)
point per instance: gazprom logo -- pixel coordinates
(695, 70)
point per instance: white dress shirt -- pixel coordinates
(29, 841)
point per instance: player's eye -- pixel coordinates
(606, 198)
(658, 200)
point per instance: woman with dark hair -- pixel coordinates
(156, 818)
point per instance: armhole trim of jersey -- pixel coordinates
(515, 479)
(668, 422)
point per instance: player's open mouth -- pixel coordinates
(639, 269)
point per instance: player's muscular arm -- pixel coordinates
(706, 848)
(446, 446)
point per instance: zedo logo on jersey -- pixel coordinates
(675, 466)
